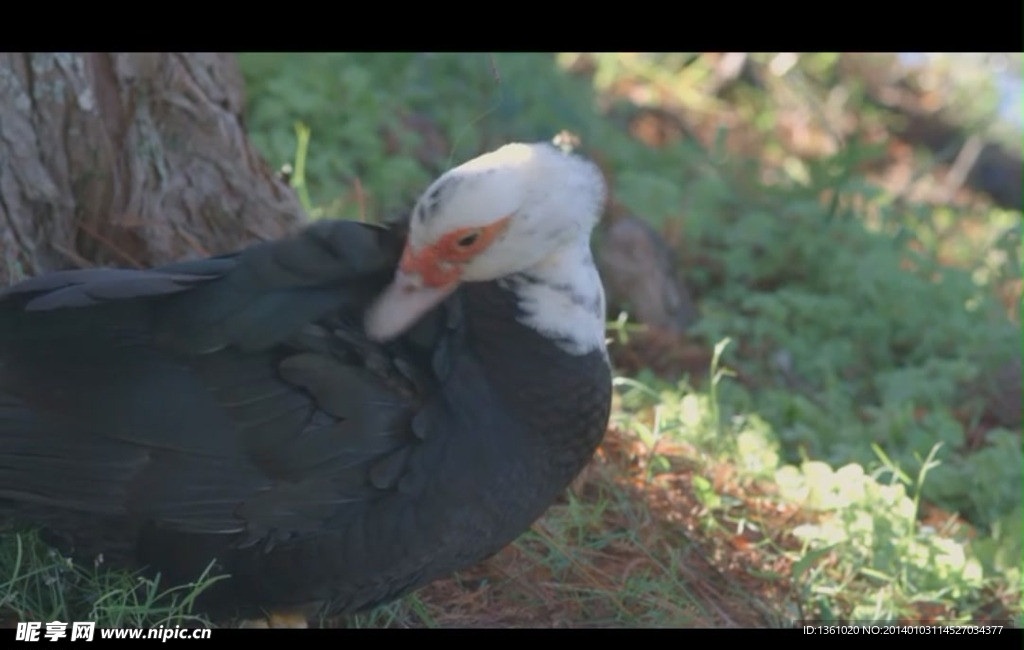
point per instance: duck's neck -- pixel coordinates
(563, 300)
(559, 400)
(539, 340)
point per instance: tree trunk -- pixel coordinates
(128, 160)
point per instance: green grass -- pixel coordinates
(39, 584)
(820, 468)
(863, 555)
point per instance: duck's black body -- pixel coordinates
(232, 409)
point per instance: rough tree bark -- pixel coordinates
(128, 160)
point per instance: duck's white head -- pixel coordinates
(523, 209)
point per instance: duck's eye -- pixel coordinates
(468, 240)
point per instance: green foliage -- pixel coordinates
(359, 109)
(346, 109)
(851, 346)
(682, 414)
(888, 561)
(865, 557)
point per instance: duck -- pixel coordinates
(328, 421)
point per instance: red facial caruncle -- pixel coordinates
(440, 264)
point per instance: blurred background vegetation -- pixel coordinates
(837, 435)
(851, 223)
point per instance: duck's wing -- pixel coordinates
(230, 396)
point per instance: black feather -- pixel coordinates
(233, 409)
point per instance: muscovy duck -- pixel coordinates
(339, 417)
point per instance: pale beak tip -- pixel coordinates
(401, 305)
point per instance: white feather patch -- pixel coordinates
(563, 299)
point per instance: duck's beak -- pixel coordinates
(420, 284)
